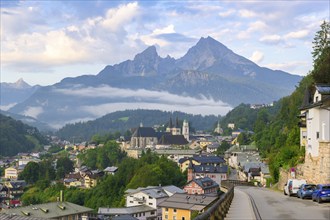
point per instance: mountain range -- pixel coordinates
(208, 79)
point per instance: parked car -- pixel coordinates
(292, 186)
(305, 191)
(321, 193)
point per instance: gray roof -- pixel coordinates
(264, 168)
(124, 217)
(324, 89)
(171, 189)
(4, 216)
(169, 139)
(204, 159)
(205, 183)
(188, 202)
(53, 210)
(152, 191)
(111, 169)
(210, 168)
(126, 210)
(144, 132)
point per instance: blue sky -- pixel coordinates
(46, 41)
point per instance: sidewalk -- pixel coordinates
(240, 207)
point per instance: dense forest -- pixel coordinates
(149, 170)
(16, 137)
(122, 121)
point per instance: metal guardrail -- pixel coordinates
(220, 208)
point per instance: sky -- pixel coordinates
(46, 41)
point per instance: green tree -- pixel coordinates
(222, 148)
(64, 166)
(30, 173)
(321, 54)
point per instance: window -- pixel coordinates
(150, 203)
(317, 135)
(174, 210)
(152, 212)
(166, 209)
(183, 218)
(166, 216)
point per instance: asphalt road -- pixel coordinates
(273, 205)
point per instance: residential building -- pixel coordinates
(150, 196)
(201, 160)
(141, 212)
(315, 133)
(110, 170)
(15, 187)
(216, 173)
(201, 186)
(11, 173)
(182, 206)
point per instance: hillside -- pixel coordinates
(121, 121)
(209, 79)
(16, 137)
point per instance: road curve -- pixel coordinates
(273, 205)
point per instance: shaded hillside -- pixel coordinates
(124, 120)
(16, 137)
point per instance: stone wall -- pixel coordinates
(317, 169)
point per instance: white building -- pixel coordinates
(315, 134)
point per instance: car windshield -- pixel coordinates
(310, 187)
(326, 187)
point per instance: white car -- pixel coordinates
(292, 186)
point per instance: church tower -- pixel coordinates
(185, 130)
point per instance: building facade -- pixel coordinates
(315, 134)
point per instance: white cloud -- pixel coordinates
(227, 13)
(100, 110)
(33, 111)
(146, 99)
(291, 66)
(271, 39)
(247, 13)
(257, 56)
(297, 34)
(7, 107)
(116, 17)
(151, 39)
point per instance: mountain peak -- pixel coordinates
(148, 53)
(20, 84)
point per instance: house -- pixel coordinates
(213, 147)
(16, 188)
(52, 210)
(216, 173)
(110, 170)
(182, 206)
(142, 203)
(91, 180)
(141, 212)
(201, 186)
(201, 160)
(315, 133)
(11, 173)
(150, 196)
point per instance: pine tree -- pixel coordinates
(321, 54)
